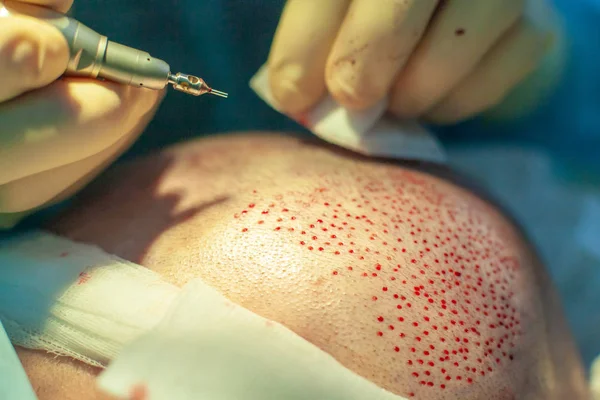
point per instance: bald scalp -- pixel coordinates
(408, 280)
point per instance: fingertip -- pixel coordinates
(293, 91)
(151, 99)
(350, 92)
(32, 54)
(143, 99)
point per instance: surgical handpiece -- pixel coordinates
(94, 56)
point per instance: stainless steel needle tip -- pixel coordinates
(218, 93)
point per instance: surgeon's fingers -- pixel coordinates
(32, 55)
(459, 36)
(509, 62)
(302, 42)
(67, 121)
(59, 183)
(374, 42)
(58, 5)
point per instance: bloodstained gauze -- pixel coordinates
(83, 277)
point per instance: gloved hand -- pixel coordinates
(441, 60)
(56, 133)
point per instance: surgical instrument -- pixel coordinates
(93, 55)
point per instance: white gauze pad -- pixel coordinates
(370, 132)
(74, 299)
(207, 347)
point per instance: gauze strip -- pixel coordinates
(370, 132)
(74, 299)
(207, 347)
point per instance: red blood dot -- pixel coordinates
(380, 319)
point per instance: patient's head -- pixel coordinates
(405, 278)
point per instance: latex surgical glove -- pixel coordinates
(56, 133)
(442, 61)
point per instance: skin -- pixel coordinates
(433, 293)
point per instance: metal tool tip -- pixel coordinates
(218, 93)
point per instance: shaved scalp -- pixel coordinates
(405, 278)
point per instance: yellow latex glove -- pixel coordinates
(56, 133)
(440, 60)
